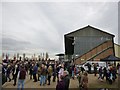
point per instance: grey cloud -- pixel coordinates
(38, 27)
(71, 16)
(12, 44)
(109, 19)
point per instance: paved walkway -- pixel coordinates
(30, 84)
(93, 83)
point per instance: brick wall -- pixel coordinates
(105, 54)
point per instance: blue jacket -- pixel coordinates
(35, 69)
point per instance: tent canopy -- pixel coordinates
(111, 58)
(59, 54)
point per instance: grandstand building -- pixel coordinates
(88, 43)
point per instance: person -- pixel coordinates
(82, 69)
(31, 70)
(58, 69)
(118, 66)
(107, 74)
(114, 72)
(70, 71)
(26, 66)
(119, 73)
(61, 84)
(110, 77)
(75, 71)
(66, 79)
(45, 73)
(89, 67)
(84, 81)
(100, 73)
(42, 75)
(4, 74)
(39, 72)
(79, 78)
(104, 73)
(73, 66)
(119, 76)
(8, 73)
(21, 77)
(95, 69)
(35, 68)
(15, 73)
(49, 74)
(61, 71)
(54, 73)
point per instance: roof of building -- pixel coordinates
(89, 27)
(61, 54)
(117, 44)
(69, 38)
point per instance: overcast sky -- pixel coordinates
(35, 27)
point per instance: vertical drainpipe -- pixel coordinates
(113, 46)
(113, 49)
(74, 50)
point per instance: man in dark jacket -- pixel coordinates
(61, 84)
(66, 80)
(31, 70)
(21, 77)
(8, 73)
(95, 69)
(54, 73)
(15, 73)
(3, 74)
(104, 73)
(35, 69)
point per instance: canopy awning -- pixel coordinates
(111, 58)
(60, 54)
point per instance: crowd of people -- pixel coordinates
(38, 70)
(109, 73)
(61, 72)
